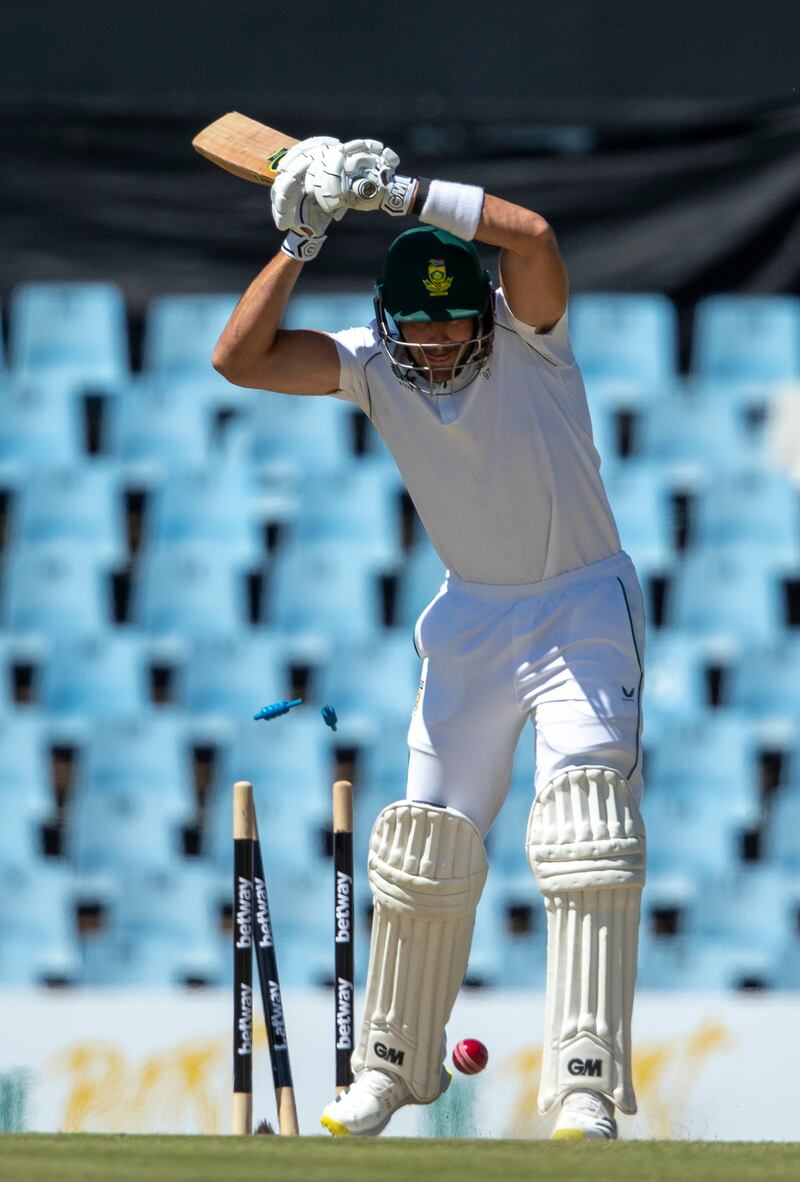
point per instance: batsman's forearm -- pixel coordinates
(250, 333)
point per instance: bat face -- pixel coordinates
(244, 147)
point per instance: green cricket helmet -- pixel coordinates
(430, 276)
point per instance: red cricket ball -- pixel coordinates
(470, 1056)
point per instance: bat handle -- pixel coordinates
(364, 187)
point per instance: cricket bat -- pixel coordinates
(253, 151)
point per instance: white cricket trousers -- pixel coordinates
(568, 653)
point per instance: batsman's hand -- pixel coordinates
(337, 174)
(296, 211)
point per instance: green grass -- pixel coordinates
(313, 1159)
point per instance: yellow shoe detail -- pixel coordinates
(569, 1135)
(334, 1127)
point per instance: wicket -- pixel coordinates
(252, 929)
(343, 929)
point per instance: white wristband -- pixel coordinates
(453, 207)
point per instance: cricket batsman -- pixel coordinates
(476, 392)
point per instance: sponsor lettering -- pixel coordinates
(344, 895)
(390, 1054)
(262, 915)
(245, 1022)
(344, 1015)
(277, 1023)
(585, 1067)
(244, 913)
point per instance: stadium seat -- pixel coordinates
(759, 510)
(506, 838)
(519, 916)
(727, 594)
(37, 933)
(358, 506)
(376, 678)
(39, 425)
(75, 330)
(420, 579)
(56, 591)
(233, 675)
(640, 500)
(162, 929)
(180, 334)
(209, 506)
(329, 312)
(714, 756)
(765, 681)
(324, 590)
(26, 799)
(750, 908)
(157, 422)
(782, 831)
(191, 592)
(108, 833)
(694, 437)
(747, 338)
(703, 965)
(624, 338)
(689, 834)
(675, 681)
(140, 756)
(104, 675)
(77, 506)
(310, 433)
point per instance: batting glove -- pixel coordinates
(296, 211)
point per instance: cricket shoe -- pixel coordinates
(585, 1116)
(366, 1107)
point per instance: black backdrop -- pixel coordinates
(684, 198)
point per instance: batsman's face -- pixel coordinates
(438, 344)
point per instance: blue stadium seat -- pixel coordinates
(104, 675)
(750, 908)
(307, 432)
(324, 590)
(161, 422)
(782, 831)
(701, 964)
(234, 675)
(420, 579)
(640, 500)
(625, 338)
(289, 763)
(162, 929)
(688, 435)
(756, 509)
(688, 833)
(140, 756)
(714, 756)
(329, 312)
(39, 424)
(675, 681)
(190, 592)
(77, 506)
(522, 925)
(110, 832)
(26, 799)
(56, 591)
(180, 334)
(377, 678)
(75, 329)
(210, 506)
(358, 506)
(727, 594)
(506, 839)
(765, 681)
(747, 338)
(37, 933)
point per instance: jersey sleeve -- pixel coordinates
(555, 345)
(355, 346)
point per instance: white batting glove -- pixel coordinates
(296, 211)
(337, 173)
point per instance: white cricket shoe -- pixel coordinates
(585, 1116)
(366, 1107)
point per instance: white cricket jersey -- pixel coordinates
(504, 474)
